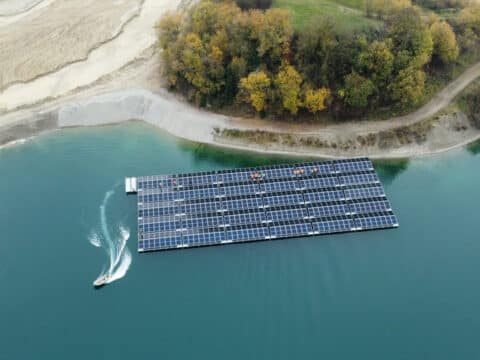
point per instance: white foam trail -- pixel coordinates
(122, 268)
(118, 254)
(94, 239)
(121, 256)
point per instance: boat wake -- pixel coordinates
(114, 242)
(94, 239)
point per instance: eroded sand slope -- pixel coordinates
(15, 7)
(64, 32)
(45, 68)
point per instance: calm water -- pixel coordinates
(411, 293)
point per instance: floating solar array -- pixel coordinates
(261, 203)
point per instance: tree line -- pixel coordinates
(220, 55)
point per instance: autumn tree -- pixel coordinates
(272, 31)
(316, 100)
(218, 53)
(201, 68)
(169, 28)
(288, 84)
(255, 90)
(206, 19)
(445, 47)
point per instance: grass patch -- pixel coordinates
(468, 101)
(255, 136)
(348, 15)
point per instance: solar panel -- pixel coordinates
(269, 202)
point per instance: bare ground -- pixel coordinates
(67, 32)
(120, 80)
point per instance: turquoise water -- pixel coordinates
(411, 293)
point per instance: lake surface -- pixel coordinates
(410, 293)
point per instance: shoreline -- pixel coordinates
(128, 86)
(168, 113)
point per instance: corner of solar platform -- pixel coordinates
(259, 203)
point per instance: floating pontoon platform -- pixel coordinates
(261, 203)
(131, 185)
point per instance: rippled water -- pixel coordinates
(410, 293)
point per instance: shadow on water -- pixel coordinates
(388, 170)
(474, 148)
(234, 158)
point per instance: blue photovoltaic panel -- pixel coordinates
(269, 202)
(285, 214)
(333, 226)
(290, 229)
(323, 211)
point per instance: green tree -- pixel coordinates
(445, 46)
(205, 19)
(469, 17)
(288, 83)
(342, 59)
(377, 62)
(357, 91)
(408, 86)
(272, 30)
(410, 37)
(468, 22)
(255, 90)
(314, 49)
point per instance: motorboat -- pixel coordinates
(101, 280)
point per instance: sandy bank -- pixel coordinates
(166, 112)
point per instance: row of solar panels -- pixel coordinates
(258, 201)
(258, 173)
(195, 237)
(257, 216)
(266, 187)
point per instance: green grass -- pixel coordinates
(354, 4)
(348, 15)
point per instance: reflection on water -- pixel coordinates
(232, 158)
(388, 170)
(474, 148)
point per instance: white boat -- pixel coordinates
(102, 280)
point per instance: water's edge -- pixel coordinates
(163, 112)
